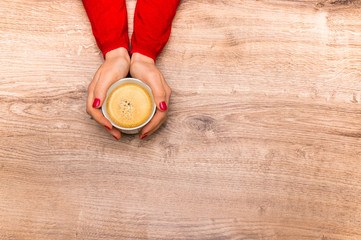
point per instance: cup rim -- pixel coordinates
(119, 83)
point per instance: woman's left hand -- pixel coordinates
(143, 68)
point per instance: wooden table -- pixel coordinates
(262, 141)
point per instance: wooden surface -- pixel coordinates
(262, 141)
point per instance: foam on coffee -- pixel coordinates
(129, 105)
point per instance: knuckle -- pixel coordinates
(90, 86)
(160, 95)
(88, 110)
(97, 92)
(100, 93)
(169, 90)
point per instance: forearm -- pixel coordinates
(152, 26)
(109, 23)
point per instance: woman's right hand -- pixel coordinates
(115, 67)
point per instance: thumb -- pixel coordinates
(159, 94)
(101, 88)
(160, 98)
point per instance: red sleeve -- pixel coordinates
(152, 26)
(109, 23)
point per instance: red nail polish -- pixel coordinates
(163, 106)
(107, 127)
(96, 102)
(144, 136)
(115, 137)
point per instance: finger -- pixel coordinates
(92, 85)
(96, 75)
(100, 89)
(155, 82)
(168, 91)
(99, 117)
(90, 100)
(115, 133)
(95, 113)
(158, 119)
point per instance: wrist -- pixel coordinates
(138, 57)
(117, 53)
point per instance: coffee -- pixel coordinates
(129, 105)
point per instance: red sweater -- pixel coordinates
(152, 24)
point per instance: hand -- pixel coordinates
(143, 68)
(115, 67)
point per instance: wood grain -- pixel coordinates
(262, 141)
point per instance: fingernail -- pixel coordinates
(96, 102)
(144, 136)
(115, 137)
(163, 106)
(107, 127)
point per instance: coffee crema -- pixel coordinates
(129, 105)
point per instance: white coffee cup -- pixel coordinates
(118, 83)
